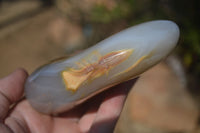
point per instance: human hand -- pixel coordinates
(97, 115)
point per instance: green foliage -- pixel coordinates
(190, 49)
(104, 15)
(186, 14)
(192, 38)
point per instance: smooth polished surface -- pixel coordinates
(60, 86)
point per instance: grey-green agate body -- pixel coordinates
(59, 86)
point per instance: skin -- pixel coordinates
(98, 115)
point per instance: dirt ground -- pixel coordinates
(29, 45)
(157, 104)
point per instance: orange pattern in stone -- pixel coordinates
(74, 78)
(135, 64)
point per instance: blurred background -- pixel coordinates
(165, 99)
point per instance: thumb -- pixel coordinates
(11, 90)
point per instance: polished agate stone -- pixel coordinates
(61, 85)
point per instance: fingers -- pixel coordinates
(87, 119)
(111, 108)
(11, 90)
